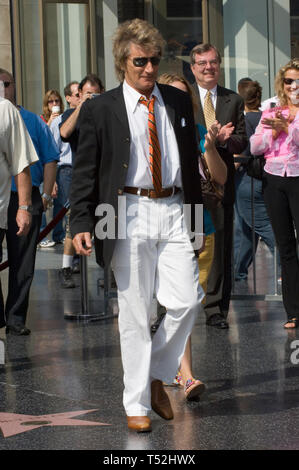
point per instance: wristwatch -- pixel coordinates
(47, 197)
(27, 208)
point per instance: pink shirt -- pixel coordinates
(282, 154)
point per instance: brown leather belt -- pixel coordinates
(151, 193)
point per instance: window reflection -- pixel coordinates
(294, 13)
(181, 26)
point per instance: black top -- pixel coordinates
(251, 121)
(74, 137)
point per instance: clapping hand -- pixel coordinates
(278, 124)
(225, 132)
(211, 135)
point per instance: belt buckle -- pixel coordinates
(149, 193)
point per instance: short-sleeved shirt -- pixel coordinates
(64, 147)
(74, 137)
(43, 142)
(16, 152)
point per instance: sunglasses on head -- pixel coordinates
(289, 81)
(142, 61)
(6, 84)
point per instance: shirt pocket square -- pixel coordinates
(183, 122)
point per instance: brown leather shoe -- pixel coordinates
(139, 423)
(160, 401)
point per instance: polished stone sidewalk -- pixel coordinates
(67, 372)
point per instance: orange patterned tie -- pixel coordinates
(154, 146)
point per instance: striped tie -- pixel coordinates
(154, 146)
(209, 111)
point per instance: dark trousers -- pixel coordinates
(2, 317)
(21, 252)
(281, 196)
(220, 277)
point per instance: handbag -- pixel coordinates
(212, 192)
(255, 166)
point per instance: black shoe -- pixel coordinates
(66, 281)
(17, 330)
(218, 321)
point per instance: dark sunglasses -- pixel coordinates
(142, 61)
(76, 95)
(54, 101)
(6, 84)
(288, 81)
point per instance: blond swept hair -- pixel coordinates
(169, 78)
(138, 32)
(279, 85)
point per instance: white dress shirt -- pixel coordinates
(203, 92)
(139, 174)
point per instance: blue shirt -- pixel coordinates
(44, 143)
(207, 222)
(64, 147)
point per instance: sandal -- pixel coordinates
(193, 388)
(295, 321)
(178, 379)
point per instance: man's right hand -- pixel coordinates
(23, 219)
(82, 243)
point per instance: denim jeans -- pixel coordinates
(63, 180)
(243, 242)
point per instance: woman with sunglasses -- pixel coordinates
(52, 108)
(277, 137)
(52, 101)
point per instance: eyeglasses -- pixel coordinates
(203, 63)
(54, 101)
(6, 84)
(142, 61)
(289, 81)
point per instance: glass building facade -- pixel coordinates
(48, 43)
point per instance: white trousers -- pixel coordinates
(156, 258)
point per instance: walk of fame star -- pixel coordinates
(12, 423)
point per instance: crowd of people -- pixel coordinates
(158, 141)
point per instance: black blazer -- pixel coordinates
(103, 154)
(229, 108)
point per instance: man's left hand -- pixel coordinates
(23, 220)
(225, 132)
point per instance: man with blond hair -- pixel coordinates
(138, 141)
